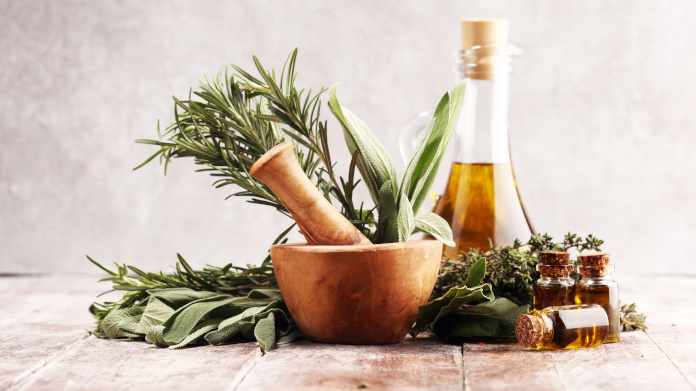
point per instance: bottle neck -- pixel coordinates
(482, 130)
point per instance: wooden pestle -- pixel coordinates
(319, 221)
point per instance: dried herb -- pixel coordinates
(631, 319)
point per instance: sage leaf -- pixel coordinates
(186, 318)
(230, 327)
(156, 313)
(199, 331)
(176, 298)
(436, 226)
(387, 230)
(293, 335)
(265, 332)
(405, 219)
(112, 324)
(428, 162)
(493, 319)
(154, 336)
(377, 166)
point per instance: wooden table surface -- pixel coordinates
(44, 346)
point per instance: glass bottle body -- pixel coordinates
(603, 291)
(481, 202)
(553, 291)
(572, 327)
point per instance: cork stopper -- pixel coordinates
(596, 259)
(480, 32)
(595, 271)
(554, 258)
(554, 270)
(529, 330)
(484, 46)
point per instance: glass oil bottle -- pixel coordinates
(597, 286)
(554, 287)
(563, 327)
(480, 201)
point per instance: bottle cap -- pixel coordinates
(554, 258)
(480, 32)
(596, 259)
(529, 330)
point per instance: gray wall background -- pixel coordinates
(601, 119)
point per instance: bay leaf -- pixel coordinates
(493, 319)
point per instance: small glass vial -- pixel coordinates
(597, 286)
(563, 327)
(554, 287)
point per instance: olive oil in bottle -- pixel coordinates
(563, 327)
(480, 203)
(554, 287)
(598, 287)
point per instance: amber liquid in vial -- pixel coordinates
(553, 292)
(605, 294)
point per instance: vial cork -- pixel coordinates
(596, 259)
(555, 270)
(529, 330)
(554, 258)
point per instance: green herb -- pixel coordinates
(469, 311)
(236, 117)
(363, 384)
(181, 308)
(511, 271)
(398, 204)
(631, 319)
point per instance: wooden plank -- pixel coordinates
(633, 363)
(39, 318)
(422, 363)
(131, 365)
(504, 366)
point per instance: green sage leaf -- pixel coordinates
(436, 226)
(265, 332)
(113, 324)
(197, 333)
(378, 166)
(156, 313)
(448, 304)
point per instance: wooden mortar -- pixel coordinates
(356, 294)
(339, 287)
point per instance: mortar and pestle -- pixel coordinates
(339, 287)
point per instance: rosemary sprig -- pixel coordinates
(236, 117)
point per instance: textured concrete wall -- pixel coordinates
(601, 119)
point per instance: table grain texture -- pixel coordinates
(44, 346)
